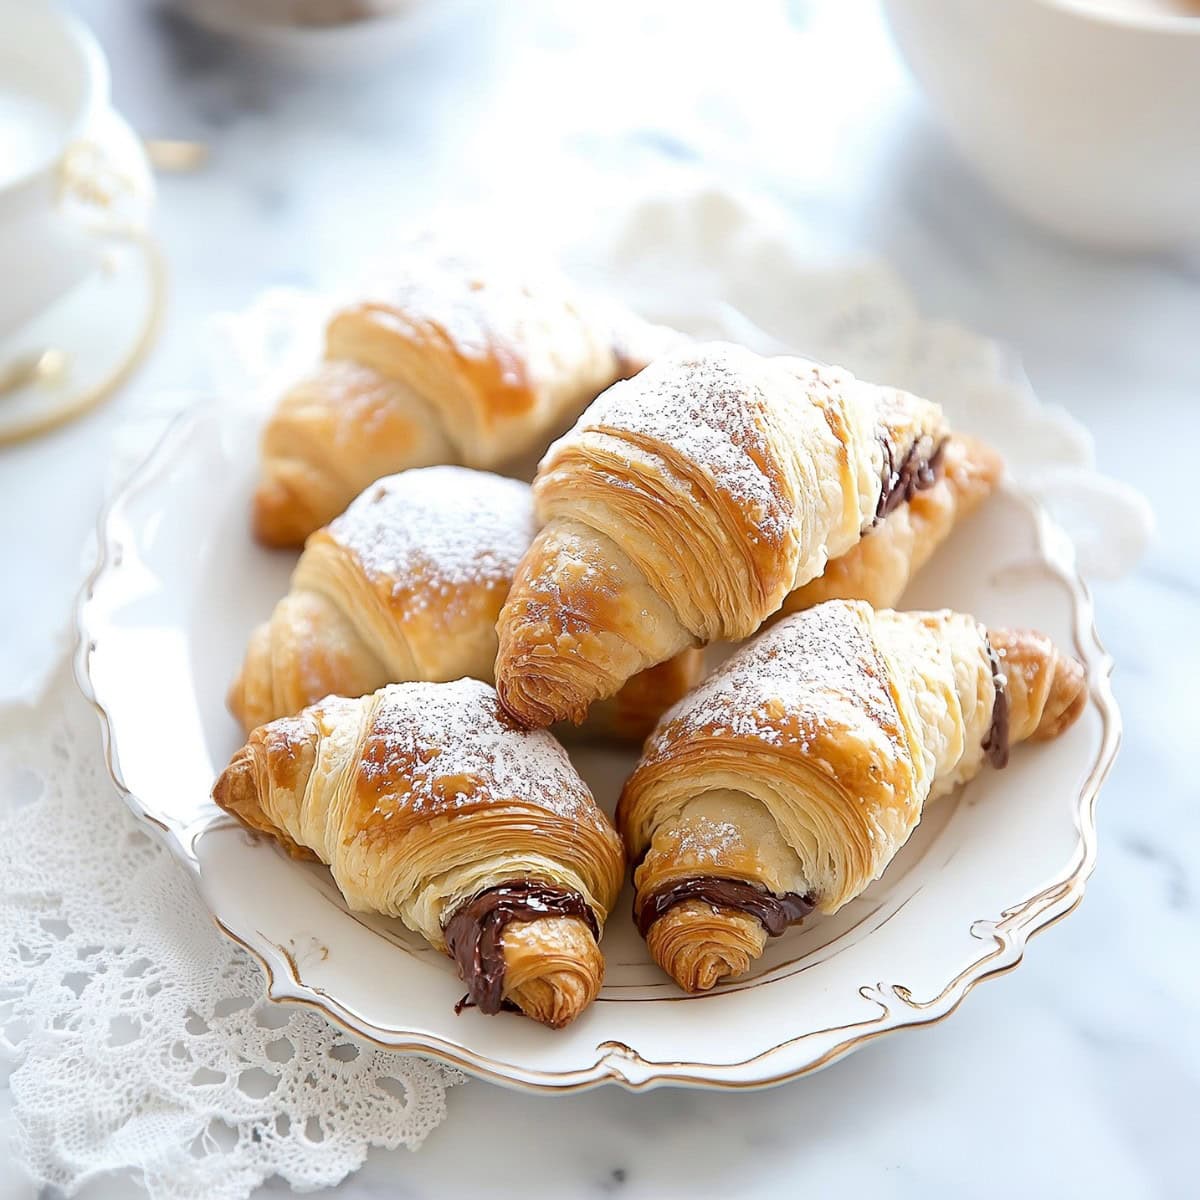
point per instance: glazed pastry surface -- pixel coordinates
(407, 585)
(687, 503)
(800, 767)
(882, 563)
(447, 361)
(429, 805)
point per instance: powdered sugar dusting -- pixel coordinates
(517, 313)
(451, 746)
(707, 405)
(448, 528)
(478, 306)
(809, 676)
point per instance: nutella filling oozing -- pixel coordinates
(995, 743)
(475, 932)
(775, 912)
(918, 470)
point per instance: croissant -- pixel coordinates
(790, 778)
(686, 504)
(443, 365)
(429, 805)
(880, 565)
(407, 585)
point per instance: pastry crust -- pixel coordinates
(423, 797)
(333, 433)
(687, 503)
(802, 765)
(448, 362)
(407, 585)
(880, 566)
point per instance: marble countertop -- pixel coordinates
(1079, 1074)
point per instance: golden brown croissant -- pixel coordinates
(428, 804)
(790, 778)
(880, 566)
(407, 585)
(446, 364)
(687, 503)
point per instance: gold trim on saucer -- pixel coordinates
(41, 366)
(91, 397)
(87, 180)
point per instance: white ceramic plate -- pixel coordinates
(163, 624)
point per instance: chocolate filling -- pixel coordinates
(917, 470)
(775, 912)
(475, 933)
(995, 743)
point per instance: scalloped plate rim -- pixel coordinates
(617, 1062)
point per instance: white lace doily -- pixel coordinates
(140, 1036)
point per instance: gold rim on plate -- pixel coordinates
(1004, 937)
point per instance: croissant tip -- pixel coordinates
(521, 709)
(553, 968)
(700, 946)
(236, 788)
(706, 972)
(512, 708)
(277, 517)
(563, 1007)
(1067, 700)
(556, 999)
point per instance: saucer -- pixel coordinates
(76, 353)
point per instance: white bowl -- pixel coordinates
(335, 48)
(1086, 119)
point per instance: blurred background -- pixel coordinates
(308, 148)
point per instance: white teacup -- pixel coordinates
(1084, 114)
(54, 92)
